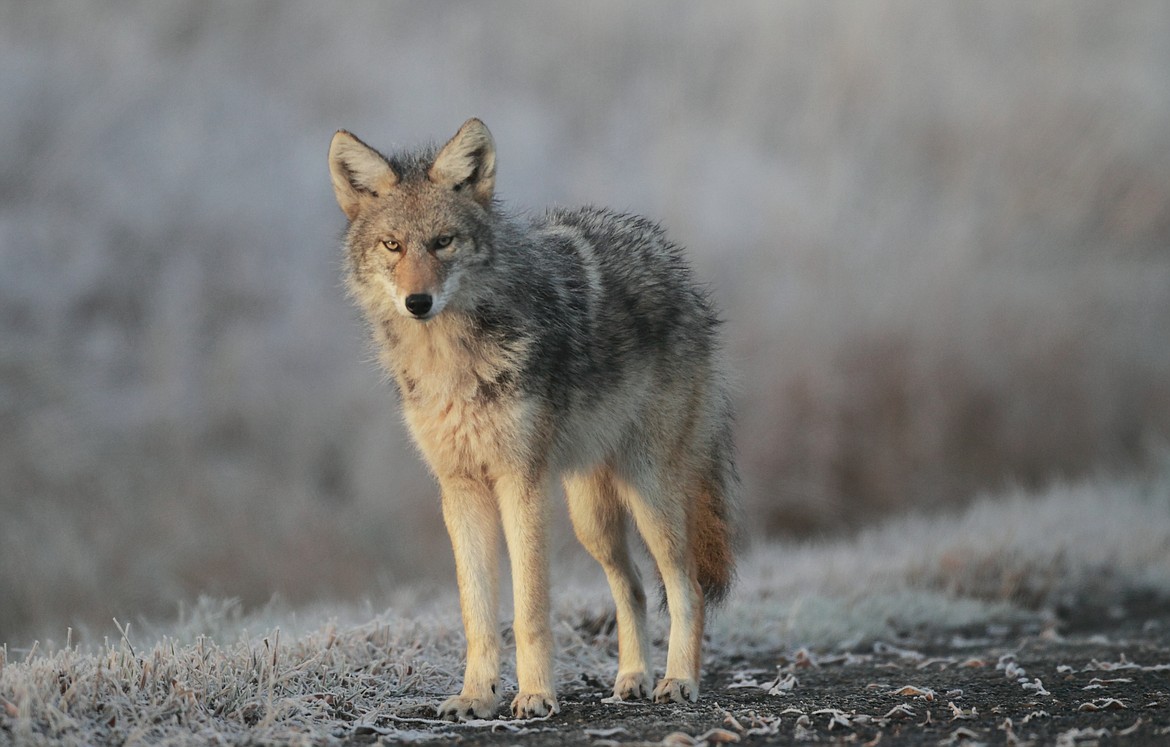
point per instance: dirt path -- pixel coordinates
(1106, 683)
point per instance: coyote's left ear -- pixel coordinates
(468, 161)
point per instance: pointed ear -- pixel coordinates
(468, 160)
(358, 171)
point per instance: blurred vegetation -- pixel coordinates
(940, 235)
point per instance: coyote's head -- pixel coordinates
(417, 221)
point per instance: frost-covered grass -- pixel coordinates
(1090, 543)
(280, 676)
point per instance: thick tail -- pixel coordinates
(713, 525)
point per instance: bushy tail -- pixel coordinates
(713, 525)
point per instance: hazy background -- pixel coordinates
(940, 233)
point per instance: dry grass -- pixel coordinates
(278, 677)
(1091, 543)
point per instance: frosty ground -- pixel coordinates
(1028, 618)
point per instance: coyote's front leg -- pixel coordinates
(472, 519)
(524, 509)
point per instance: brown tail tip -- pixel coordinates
(712, 540)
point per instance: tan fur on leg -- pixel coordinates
(600, 523)
(524, 510)
(662, 521)
(469, 511)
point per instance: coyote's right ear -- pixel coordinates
(358, 171)
(468, 160)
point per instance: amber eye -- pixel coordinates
(444, 241)
(391, 245)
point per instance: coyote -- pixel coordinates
(575, 345)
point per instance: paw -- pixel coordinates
(632, 686)
(678, 690)
(534, 705)
(466, 707)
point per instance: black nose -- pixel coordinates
(418, 303)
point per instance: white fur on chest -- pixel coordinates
(441, 377)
